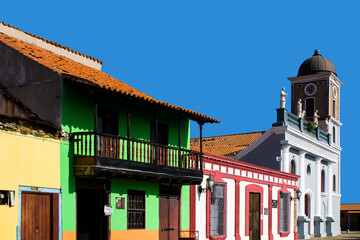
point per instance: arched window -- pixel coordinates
(322, 181)
(308, 169)
(334, 183)
(307, 205)
(292, 167)
(333, 135)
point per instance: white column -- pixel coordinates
(285, 158)
(318, 187)
(302, 174)
(330, 189)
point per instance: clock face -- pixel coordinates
(334, 91)
(310, 89)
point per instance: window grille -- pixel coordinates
(136, 209)
(284, 212)
(217, 211)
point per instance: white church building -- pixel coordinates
(305, 142)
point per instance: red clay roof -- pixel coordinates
(350, 207)
(52, 43)
(93, 76)
(226, 145)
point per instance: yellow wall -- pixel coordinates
(25, 160)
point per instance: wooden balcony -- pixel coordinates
(106, 155)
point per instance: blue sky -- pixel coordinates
(225, 59)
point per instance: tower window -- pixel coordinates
(308, 170)
(334, 183)
(334, 108)
(292, 167)
(333, 135)
(310, 107)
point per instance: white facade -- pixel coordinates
(240, 181)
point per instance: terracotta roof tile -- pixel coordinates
(91, 75)
(226, 145)
(350, 207)
(51, 42)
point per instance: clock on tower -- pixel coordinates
(318, 87)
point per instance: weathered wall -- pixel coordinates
(36, 86)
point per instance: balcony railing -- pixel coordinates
(133, 153)
(285, 118)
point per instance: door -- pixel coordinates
(91, 220)
(254, 216)
(39, 216)
(107, 123)
(169, 213)
(160, 135)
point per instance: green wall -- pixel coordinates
(78, 116)
(67, 181)
(185, 207)
(119, 188)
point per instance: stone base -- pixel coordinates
(318, 225)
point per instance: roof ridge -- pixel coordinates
(58, 45)
(231, 134)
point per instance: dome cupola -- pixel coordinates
(316, 64)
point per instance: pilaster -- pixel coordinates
(302, 182)
(318, 187)
(285, 163)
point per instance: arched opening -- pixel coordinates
(322, 180)
(292, 167)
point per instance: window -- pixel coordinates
(162, 133)
(284, 212)
(308, 169)
(333, 135)
(307, 205)
(136, 209)
(334, 109)
(334, 183)
(107, 121)
(310, 107)
(217, 211)
(322, 181)
(292, 170)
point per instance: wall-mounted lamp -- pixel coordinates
(209, 185)
(298, 195)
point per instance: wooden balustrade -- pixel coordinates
(91, 144)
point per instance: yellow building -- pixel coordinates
(30, 199)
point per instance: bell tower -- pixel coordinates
(317, 88)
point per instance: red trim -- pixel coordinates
(270, 212)
(193, 208)
(226, 162)
(237, 210)
(258, 189)
(240, 178)
(283, 189)
(218, 178)
(217, 237)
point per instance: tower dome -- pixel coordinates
(316, 64)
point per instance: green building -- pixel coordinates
(126, 167)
